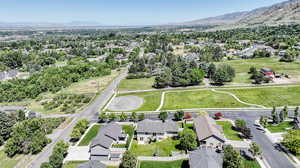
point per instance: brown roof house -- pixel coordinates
(208, 132)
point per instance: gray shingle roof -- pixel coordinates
(92, 164)
(151, 126)
(205, 158)
(107, 134)
(207, 127)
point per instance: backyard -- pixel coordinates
(282, 127)
(163, 148)
(228, 131)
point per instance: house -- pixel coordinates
(205, 157)
(91, 164)
(102, 144)
(14, 109)
(148, 130)
(268, 73)
(297, 123)
(208, 132)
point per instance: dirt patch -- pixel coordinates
(126, 103)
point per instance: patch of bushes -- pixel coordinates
(56, 159)
(79, 129)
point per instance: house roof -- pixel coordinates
(155, 126)
(11, 108)
(92, 164)
(106, 135)
(205, 158)
(206, 127)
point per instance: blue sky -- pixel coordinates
(121, 12)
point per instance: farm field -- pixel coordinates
(136, 84)
(199, 99)
(269, 96)
(242, 67)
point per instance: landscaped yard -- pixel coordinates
(250, 164)
(269, 96)
(136, 84)
(128, 129)
(282, 127)
(164, 148)
(172, 164)
(151, 100)
(199, 99)
(92, 133)
(228, 131)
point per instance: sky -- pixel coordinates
(122, 12)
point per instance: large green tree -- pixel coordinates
(232, 158)
(188, 140)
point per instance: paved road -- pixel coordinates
(89, 113)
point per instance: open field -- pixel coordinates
(269, 96)
(136, 84)
(228, 131)
(242, 67)
(282, 127)
(164, 148)
(92, 133)
(171, 164)
(199, 99)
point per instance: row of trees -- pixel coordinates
(79, 129)
(58, 154)
(103, 117)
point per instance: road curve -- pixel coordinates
(89, 113)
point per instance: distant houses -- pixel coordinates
(101, 146)
(208, 132)
(148, 130)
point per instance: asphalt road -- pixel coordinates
(89, 113)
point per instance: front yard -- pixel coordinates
(282, 127)
(163, 148)
(228, 131)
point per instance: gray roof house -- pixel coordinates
(91, 164)
(148, 130)
(205, 158)
(208, 132)
(107, 136)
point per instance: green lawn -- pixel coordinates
(269, 96)
(172, 164)
(151, 100)
(282, 127)
(228, 131)
(136, 84)
(6, 162)
(164, 147)
(74, 164)
(199, 99)
(90, 135)
(250, 164)
(242, 67)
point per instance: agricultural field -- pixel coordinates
(199, 99)
(136, 84)
(242, 68)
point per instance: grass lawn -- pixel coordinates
(90, 135)
(250, 164)
(165, 148)
(269, 96)
(136, 84)
(74, 164)
(242, 67)
(172, 164)
(228, 131)
(199, 99)
(6, 162)
(151, 100)
(282, 127)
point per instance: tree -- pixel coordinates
(188, 140)
(255, 149)
(240, 124)
(141, 116)
(231, 158)
(291, 140)
(75, 134)
(246, 132)
(102, 116)
(128, 160)
(21, 115)
(285, 112)
(211, 70)
(163, 116)
(6, 124)
(296, 112)
(224, 73)
(178, 115)
(133, 116)
(281, 116)
(263, 121)
(123, 116)
(46, 165)
(112, 117)
(252, 70)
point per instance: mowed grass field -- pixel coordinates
(136, 84)
(199, 99)
(269, 96)
(242, 67)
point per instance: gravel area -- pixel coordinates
(126, 103)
